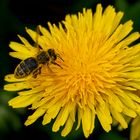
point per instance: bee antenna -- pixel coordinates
(57, 64)
(60, 57)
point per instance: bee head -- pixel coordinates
(52, 54)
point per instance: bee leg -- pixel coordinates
(36, 72)
(49, 68)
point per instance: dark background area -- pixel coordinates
(15, 15)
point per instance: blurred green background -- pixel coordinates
(15, 15)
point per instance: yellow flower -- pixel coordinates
(101, 70)
(135, 129)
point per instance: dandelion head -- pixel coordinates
(98, 77)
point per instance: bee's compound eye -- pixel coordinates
(50, 52)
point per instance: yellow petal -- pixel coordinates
(50, 115)
(97, 18)
(135, 96)
(104, 116)
(61, 118)
(126, 100)
(135, 129)
(92, 121)
(116, 20)
(115, 102)
(17, 86)
(19, 47)
(80, 113)
(68, 127)
(36, 38)
(86, 121)
(118, 117)
(36, 90)
(129, 112)
(19, 55)
(11, 78)
(22, 101)
(31, 119)
(126, 29)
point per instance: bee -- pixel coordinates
(33, 65)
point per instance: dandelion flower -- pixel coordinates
(100, 72)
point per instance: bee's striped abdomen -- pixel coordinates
(26, 67)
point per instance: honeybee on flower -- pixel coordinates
(99, 74)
